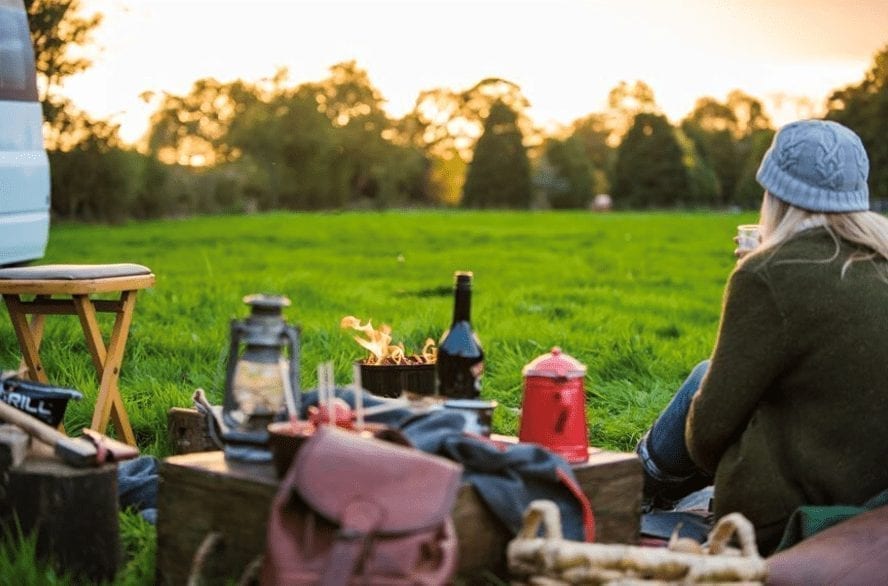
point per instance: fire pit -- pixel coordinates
(389, 371)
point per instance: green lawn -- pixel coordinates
(635, 297)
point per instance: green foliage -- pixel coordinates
(139, 539)
(719, 150)
(499, 174)
(727, 136)
(650, 169)
(18, 565)
(624, 102)
(565, 174)
(593, 133)
(316, 146)
(748, 193)
(58, 30)
(703, 186)
(446, 120)
(93, 183)
(446, 178)
(864, 108)
(56, 27)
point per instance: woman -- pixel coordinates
(792, 408)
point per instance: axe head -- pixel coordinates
(76, 452)
(109, 449)
(92, 449)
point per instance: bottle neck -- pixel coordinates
(462, 303)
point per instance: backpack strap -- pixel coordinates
(359, 520)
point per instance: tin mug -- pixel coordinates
(477, 413)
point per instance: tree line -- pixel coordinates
(251, 146)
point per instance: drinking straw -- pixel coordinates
(359, 396)
(288, 390)
(322, 389)
(331, 382)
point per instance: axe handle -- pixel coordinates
(45, 433)
(74, 451)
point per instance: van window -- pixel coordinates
(17, 81)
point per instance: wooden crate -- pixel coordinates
(202, 493)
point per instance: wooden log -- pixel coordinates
(14, 442)
(74, 512)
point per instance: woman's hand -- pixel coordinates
(740, 252)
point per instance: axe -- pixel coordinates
(92, 449)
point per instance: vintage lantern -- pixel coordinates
(553, 410)
(257, 378)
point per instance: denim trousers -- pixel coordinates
(668, 467)
(137, 486)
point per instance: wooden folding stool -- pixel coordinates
(66, 290)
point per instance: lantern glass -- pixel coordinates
(258, 390)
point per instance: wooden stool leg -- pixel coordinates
(109, 402)
(86, 311)
(37, 323)
(28, 343)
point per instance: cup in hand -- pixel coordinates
(748, 237)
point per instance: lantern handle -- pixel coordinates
(291, 333)
(237, 330)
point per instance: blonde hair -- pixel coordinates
(779, 221)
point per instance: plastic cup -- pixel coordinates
(748, 237)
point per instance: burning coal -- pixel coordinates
(382, 351)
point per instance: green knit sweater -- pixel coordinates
(794, 408)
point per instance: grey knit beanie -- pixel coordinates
(817, 165)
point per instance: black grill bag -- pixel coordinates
(45, 402)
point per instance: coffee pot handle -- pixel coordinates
(563, 413)
(237, 331)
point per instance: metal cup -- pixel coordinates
(477, 413)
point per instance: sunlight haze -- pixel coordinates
(565, 55)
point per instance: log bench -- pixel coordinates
(202, 494)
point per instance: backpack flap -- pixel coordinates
(370, 486)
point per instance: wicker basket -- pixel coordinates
(552, 560)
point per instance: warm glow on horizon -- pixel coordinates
(565, 55)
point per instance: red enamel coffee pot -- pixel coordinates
(553, 412)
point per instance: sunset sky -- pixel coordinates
(565, 54)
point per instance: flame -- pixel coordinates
(382, 351)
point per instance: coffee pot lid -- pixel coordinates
(555, 364)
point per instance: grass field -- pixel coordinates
(636, 297)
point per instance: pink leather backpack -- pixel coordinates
(355, 510)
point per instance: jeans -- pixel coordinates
(137, 486)
(669, 471)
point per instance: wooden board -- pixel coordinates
(202, 493)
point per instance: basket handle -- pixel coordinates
(728, 526)
(545, 513)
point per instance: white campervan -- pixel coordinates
(24, 166)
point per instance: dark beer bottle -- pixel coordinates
(460, 357)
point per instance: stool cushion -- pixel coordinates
(72, 272)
